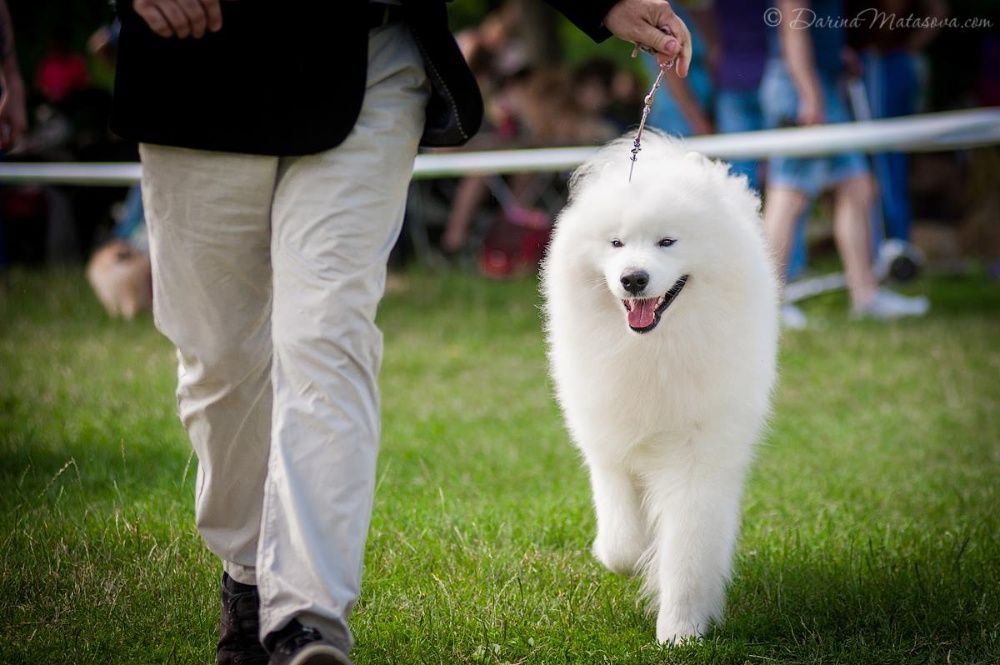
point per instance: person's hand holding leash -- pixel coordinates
(180, 18)
(652, 24)
(648, 23)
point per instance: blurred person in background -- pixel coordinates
(627, 98)
(119, 270)
(272, 203)
(895, 81)
(130, 226)
(497, 57)
(591, 86)
(546, 110)
(103, 42)
(740, 51)
(13, 114)
(800, 86)
(604, 91)
(527, 104)
(683, 106)
(495, 51)
(549, 107)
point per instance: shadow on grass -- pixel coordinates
(931, 598)
(31, 470)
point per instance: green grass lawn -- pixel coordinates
(871, 520)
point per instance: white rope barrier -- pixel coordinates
(82, 173)
(920, 133)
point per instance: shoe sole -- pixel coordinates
(319, 654)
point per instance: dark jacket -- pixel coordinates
(288, 77)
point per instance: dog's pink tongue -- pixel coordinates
(642, 313)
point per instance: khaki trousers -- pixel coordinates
(267, 273)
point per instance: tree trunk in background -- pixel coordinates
(539, 30)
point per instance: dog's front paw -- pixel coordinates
(619, 555)
(671, 630)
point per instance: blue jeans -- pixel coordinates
(739, 111)
(780, 104)
(892, 86)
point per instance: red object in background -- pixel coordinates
(515, 243)
(60, 74)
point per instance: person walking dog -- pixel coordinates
(277, 141)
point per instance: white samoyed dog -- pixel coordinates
(662, 318)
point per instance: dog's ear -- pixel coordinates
(590, 171)
(695, 157)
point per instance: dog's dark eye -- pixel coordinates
(667, 242)
(617, 243)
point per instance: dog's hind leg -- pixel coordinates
(695, 513)
(622, 536)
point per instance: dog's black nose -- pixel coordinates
(635, 282)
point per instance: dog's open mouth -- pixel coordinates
(644, 313)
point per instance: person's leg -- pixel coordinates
(335, 218)
(798, 256)
(782, 208)
(468, 197)
(894, 171)
(891, 82)
(852, 202)
(740, 111)
(854, 193)
(901, 72)
(208, 218)
(852, 205)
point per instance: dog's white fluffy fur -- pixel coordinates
(667, 419)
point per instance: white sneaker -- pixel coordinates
(792, 317)
(887, 305)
